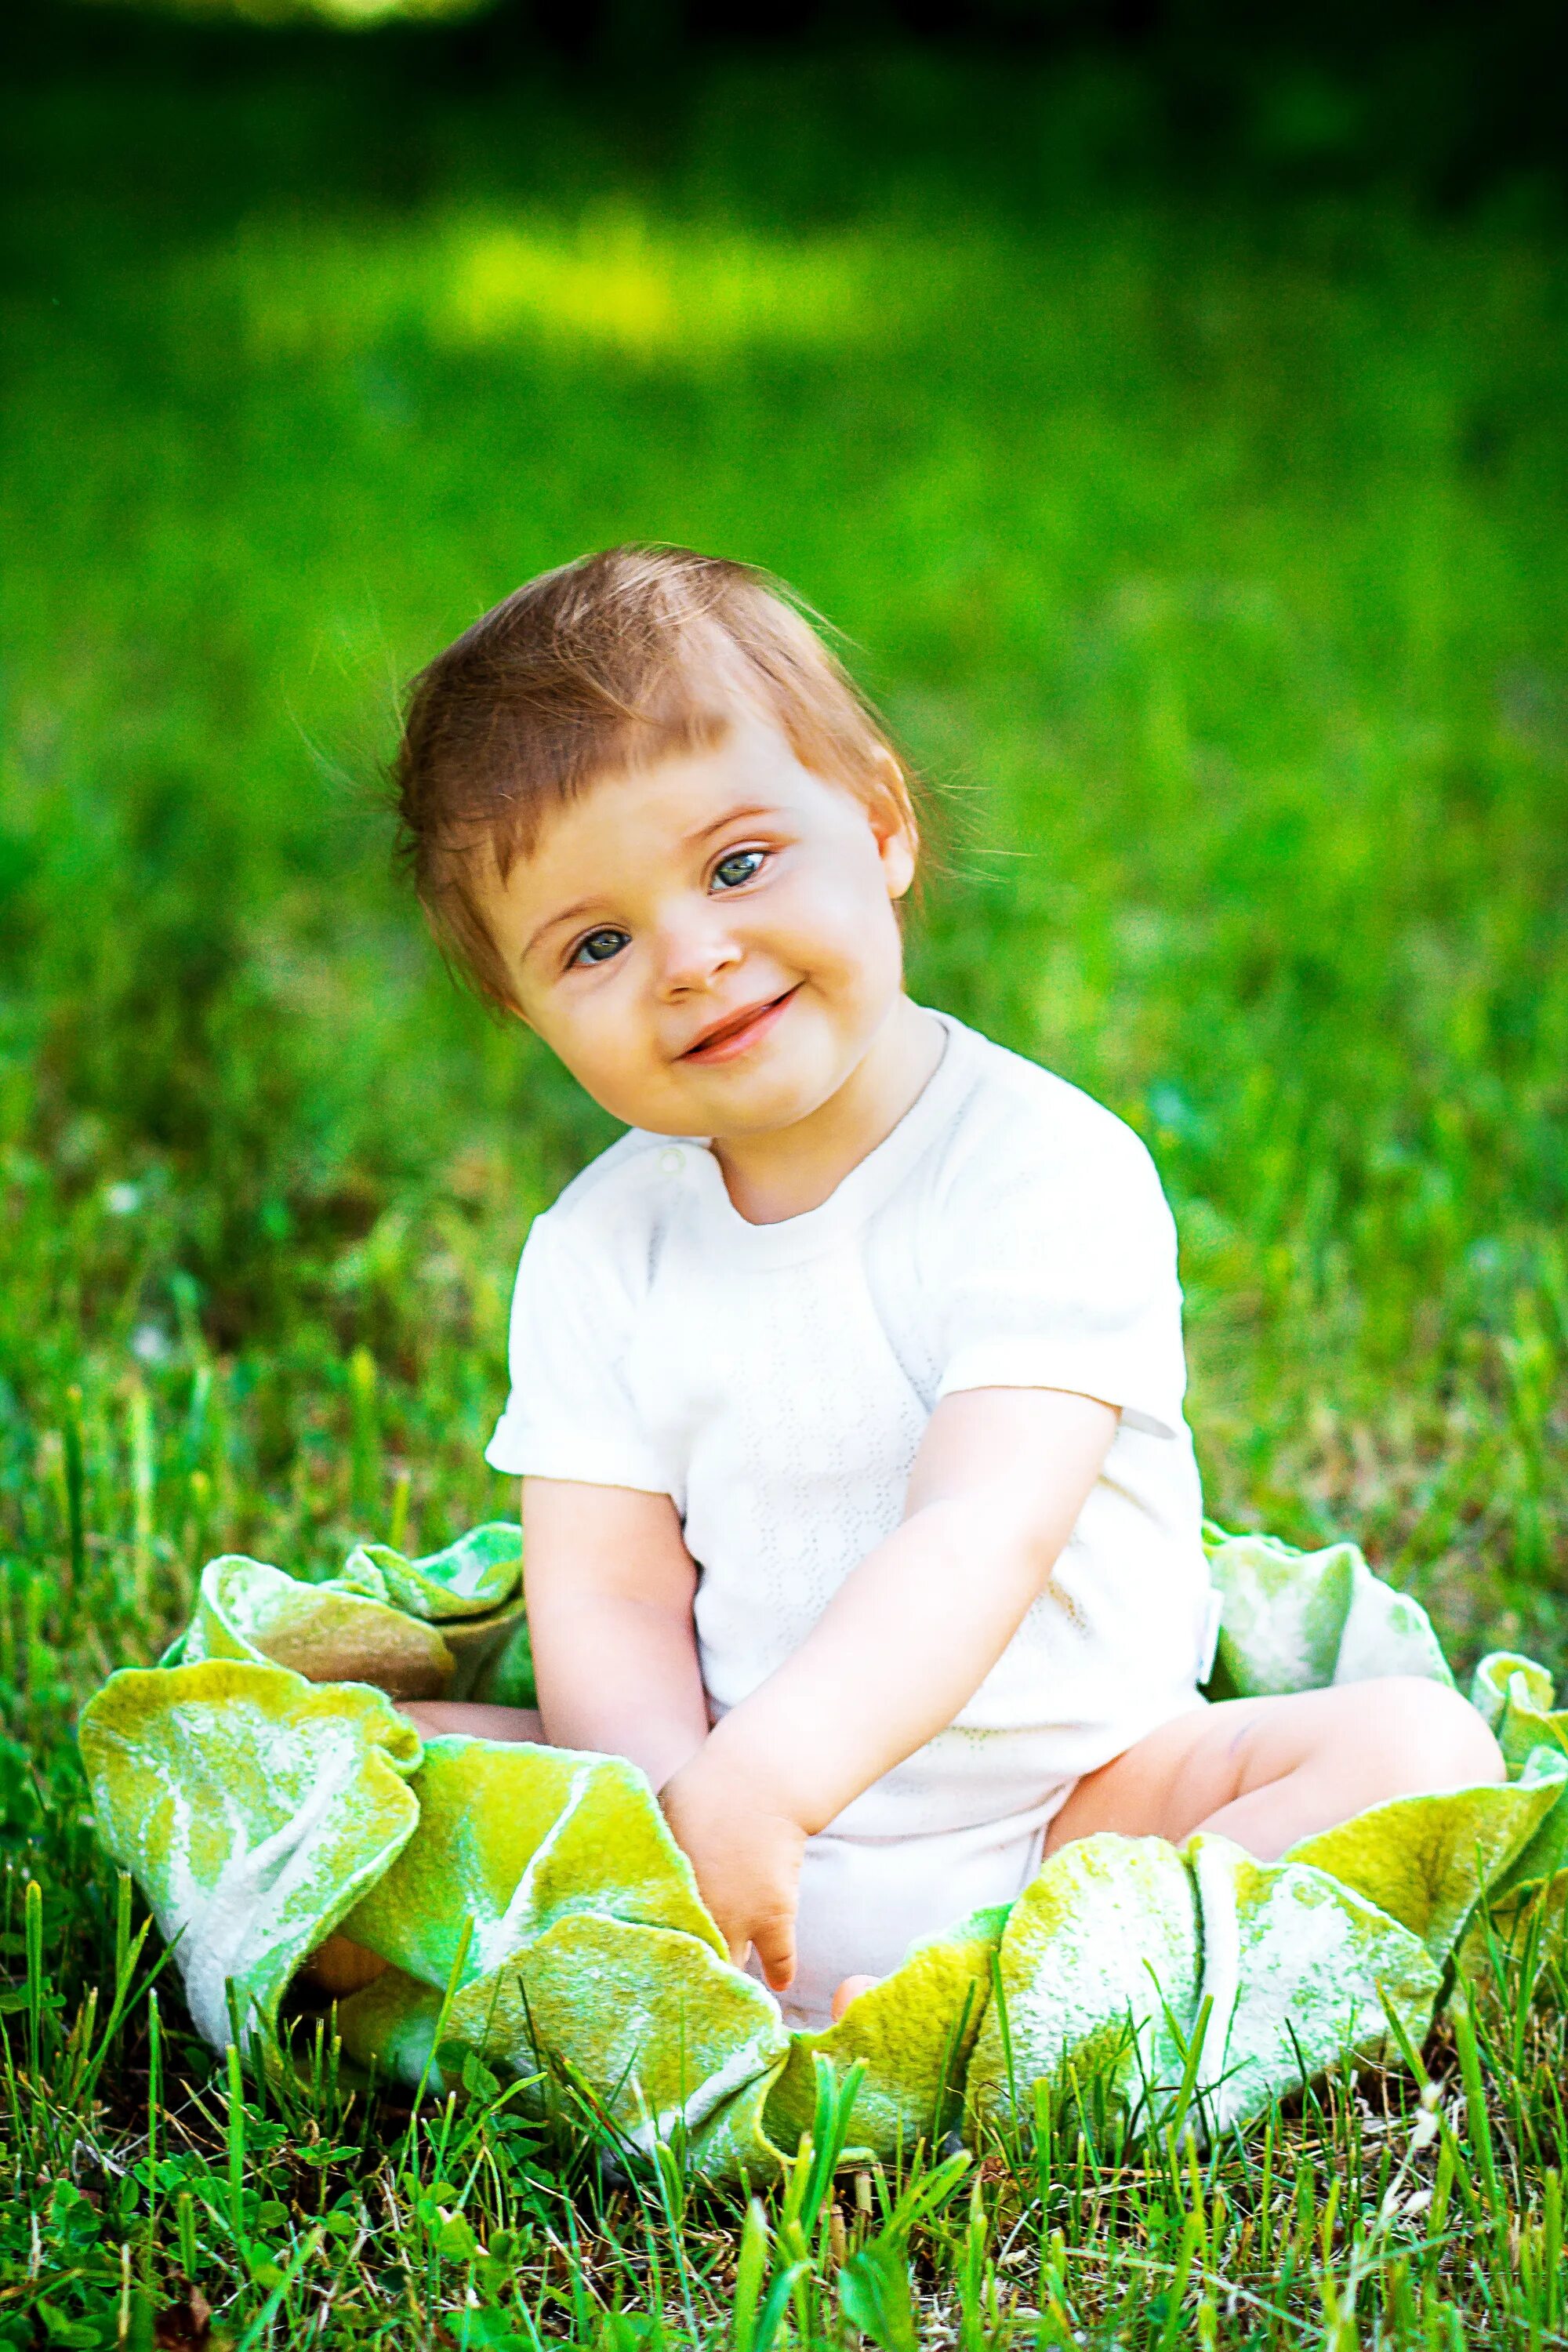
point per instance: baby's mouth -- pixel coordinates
(739, 1032)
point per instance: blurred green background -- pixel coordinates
(1175, 427)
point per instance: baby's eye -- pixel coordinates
(599, 946)
(740, 865)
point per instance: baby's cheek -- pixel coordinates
(614, 1064)
(837, 925)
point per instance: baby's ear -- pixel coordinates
(892, 816)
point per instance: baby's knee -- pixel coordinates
(1435, 1736)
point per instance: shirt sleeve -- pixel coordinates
(1059, 1271)
(570, 1412)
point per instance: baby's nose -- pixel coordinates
(694, 953)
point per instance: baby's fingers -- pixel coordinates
(773, 1940)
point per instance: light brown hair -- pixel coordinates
(607, 664)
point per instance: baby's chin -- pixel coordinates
(736, 1102)
(676, 1102)
(718, 1111)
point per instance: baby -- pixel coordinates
(860, 1508)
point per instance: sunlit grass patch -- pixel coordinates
(614, 281)
(618, 282)
(345, 15)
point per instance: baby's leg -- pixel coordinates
(437, 1716)
(1268, 1772)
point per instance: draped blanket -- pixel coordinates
(533, 1910)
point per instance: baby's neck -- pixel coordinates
(794, 1169)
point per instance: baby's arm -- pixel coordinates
(609, 1586)
(997, 1487)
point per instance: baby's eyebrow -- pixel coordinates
(729, 817)
(554, 923)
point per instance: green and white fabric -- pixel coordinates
(533, 1909)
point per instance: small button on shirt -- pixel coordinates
(776, 1382)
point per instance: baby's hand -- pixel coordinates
(746, 1855)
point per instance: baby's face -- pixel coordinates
(710, 945)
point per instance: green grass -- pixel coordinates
(1212, 560)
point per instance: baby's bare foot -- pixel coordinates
(851, 1990)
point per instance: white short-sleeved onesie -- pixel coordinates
(776, 1382)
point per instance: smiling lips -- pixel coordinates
(740, 1032)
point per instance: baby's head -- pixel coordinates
(648, 813)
